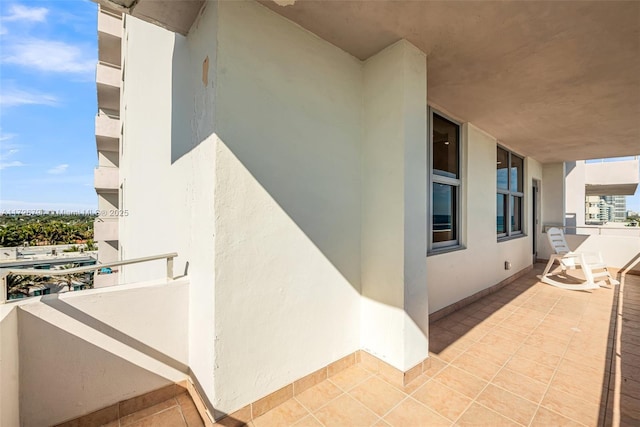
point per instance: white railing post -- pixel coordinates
(170, 268)
(3, 288)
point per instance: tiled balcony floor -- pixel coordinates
(529, 355)
(175, 412)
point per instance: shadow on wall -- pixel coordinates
(300, 177)
(73, 376)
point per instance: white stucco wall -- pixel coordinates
(574, 190)
(168, 167)
(394, 323)
(9, 367)
(455, 275)
(83, 351)
(287, 203)
(553, 196)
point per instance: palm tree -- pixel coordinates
(18, 284)
(80, 278)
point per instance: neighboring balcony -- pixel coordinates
(105, 179)
(614, 178)
(108, 79)
(105, 229)
(107, 133)
(109, 37)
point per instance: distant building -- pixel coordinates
(605, 209)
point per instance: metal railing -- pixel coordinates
(86, 269)
(599, 228)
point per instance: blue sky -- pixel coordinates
(48, 53)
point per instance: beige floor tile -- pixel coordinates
(583, 386)
(539, 356)
(413, 385)
(318, 395)
(547, 418)
(520, 385)
(445, 401)
(285, 414)
(411, 413)
(479, 367)
(350, 377)
(572, 407)
(531, 369)
(436, 365)
(377, 395)
(136, 416)
(461, 381)
(490, 353)
(308, 421)
(345, 411)
(478, 415)
(168, 418)
(507, 404)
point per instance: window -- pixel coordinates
(445, 148)
(510, 193)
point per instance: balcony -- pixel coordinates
(615, 178)
(109, 37)
(107, 132)
(108, 79)
(106, 180)
(528, 354)
(105, 229)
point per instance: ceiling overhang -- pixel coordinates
(174, 15)
(558, 81)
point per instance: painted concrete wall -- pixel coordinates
(618, 251)
(167, 169)
(287, 203)
(574, 185)
(98, 351)
(394, 325)
(455, 275)
(553, 197)
(9, 367)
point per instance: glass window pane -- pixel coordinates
(501, 214)
(516, 217)
(516, 173)
(445, 147)
(444, 213)
(502, 165)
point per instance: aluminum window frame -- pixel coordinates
(432, 178)
(509, 233)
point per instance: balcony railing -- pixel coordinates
(87, 269)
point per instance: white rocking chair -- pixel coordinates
(568, 259)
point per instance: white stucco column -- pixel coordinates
(575, 175)
(553, 194)
(394, 323)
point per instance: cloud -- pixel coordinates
(6, 136)
(5, 161)
(13, 164)
(57, 170)
(49, 56)
(20, 13)
(12, 97)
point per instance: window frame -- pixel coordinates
(509, 193)
(432, 178)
